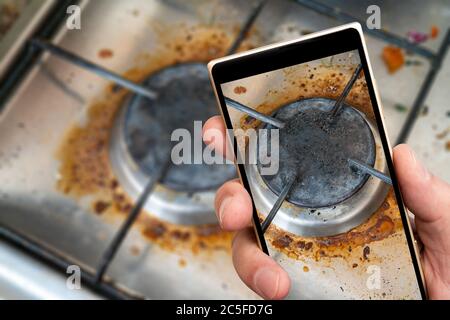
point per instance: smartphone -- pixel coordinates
(305, 122)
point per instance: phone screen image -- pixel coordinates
(320, 180)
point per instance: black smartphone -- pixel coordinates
(306, 126)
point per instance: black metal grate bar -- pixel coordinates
(253, 113)
(273, 212)
(61, 263)
(112, 249)
(424, 90)
(348, 87)
(369, 170)
(246, 27)
(26, 59)
(92, 67)
(340, 15)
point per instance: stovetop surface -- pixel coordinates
(56, 96)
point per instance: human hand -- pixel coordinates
(425, 195)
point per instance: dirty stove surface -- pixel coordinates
(62, 187)
(77, 156)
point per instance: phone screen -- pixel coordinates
(316, 167)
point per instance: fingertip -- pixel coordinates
(272, 283)
(257, 270)
(284, 285)
(213, 123)
(237, 212)
(424, 194)
(233, 206)
(412, 175)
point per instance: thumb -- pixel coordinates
(425, 195)
(428, 198)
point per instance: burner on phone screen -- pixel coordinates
(327, 197)
(315, 149)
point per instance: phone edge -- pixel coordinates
(358, 28)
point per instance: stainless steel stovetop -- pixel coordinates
(54, 96)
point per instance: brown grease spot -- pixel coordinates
(114, 184)
(282, 242)
(100, 207)
(382, 224)
(382, 228)
(180, 235)
(366, 252)
(105, 53)
(240, 90)
(155, 230)
(182, 263)
(135, 251)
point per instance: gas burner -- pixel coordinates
(328, 197)
(141, 141)
(316, 150)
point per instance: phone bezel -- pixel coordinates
(315, 46)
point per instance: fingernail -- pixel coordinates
(266, 282)
(222, 208)
(422, 170)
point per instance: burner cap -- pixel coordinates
(315, 150)
(183, 97)
(141, 140)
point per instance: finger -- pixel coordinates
(425, 195)
(233, 206)
(256, 269)
(214, 135)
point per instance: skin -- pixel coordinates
(424, 194)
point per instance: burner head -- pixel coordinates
(184, 96)
(140, 143)
(315, 148)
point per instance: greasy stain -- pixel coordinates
(105, 53)
(240, 90)
(85, 171)
(182, 263)
(354, 244)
